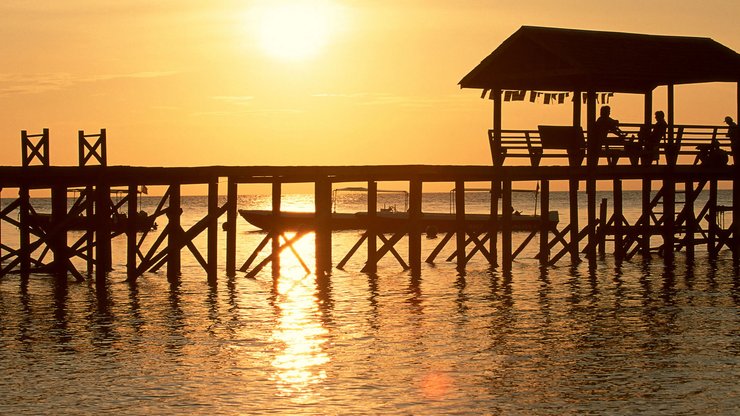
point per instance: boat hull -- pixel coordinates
(386, 221)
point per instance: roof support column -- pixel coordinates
(592, 144)
(496, 143)
(649, 107)
(671, 153)
(577, 108)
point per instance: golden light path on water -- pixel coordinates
(299, 365)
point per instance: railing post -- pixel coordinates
(31, 151)
(98, 150)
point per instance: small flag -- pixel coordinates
(144, 190)
(507, 95)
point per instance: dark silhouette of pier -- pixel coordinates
(565, 61)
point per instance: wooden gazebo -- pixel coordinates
(589, 62)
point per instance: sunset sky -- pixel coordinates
(281, 82)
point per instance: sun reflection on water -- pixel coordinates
(299, 336)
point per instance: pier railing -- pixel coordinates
(682, 146)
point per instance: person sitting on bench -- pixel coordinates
(601, 129)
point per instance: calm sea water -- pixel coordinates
(640, 338)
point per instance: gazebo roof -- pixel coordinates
(554, 59)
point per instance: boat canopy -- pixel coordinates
(556, 59)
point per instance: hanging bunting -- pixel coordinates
(519, 95)
(561, 98)
(507, 95)
(532, 96)
(547, 98)
(483, 95)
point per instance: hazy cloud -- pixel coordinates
(43, 82)
(380, 99)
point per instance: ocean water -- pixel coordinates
(642, 337)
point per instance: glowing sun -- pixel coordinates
(295, 29)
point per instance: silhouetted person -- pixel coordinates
(602, 127)
(734, 134)
(650, 142)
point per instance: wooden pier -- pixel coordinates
(557, 61)
(679, 225)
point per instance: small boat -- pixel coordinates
(385, 221)
(119, 222)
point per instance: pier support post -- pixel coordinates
(323, 227)
(573, 202)
(506, 245)
(493, 241)
(277, 195)
(89, 230)
(619, 253)
(131, 228)
(102, 232)
(231, 210)
(601, 235)
(591, 220)
(415, 193)
(174, 212)
(689, 219)
(647, 216)
(372, 214)
(544, 255)
(460, 224)
(669, 217)
(25, 232)
(712, 219)
(212, 233)
(58, 242)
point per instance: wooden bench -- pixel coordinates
(558, 142)
(568, 143)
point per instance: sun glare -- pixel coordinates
(295, 29)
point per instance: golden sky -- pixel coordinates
(291, 82)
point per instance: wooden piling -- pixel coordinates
(506, 243)
(690, 223)
(591, 221)
(601, 236)
(212, 231)
(669, 217)
(493, 231)
(460, 223)
(371, 266)
(415, 213)
(131, 229)
(647, 209)
(619, 252)
(25, 233)
(323, 226)
(231, 219)
(58, 241)
(174, 213)
(574, 229)
(103, 251)
(90, 229)
(712, 219)
(544, 255)
(274, 235)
